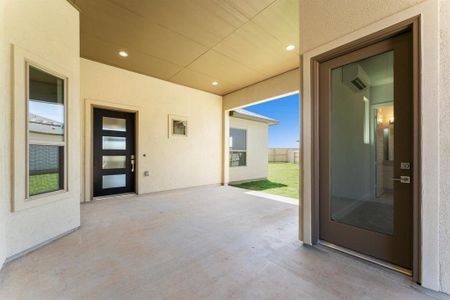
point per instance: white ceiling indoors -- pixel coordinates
(193, 42)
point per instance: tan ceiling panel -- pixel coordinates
(222, 68)
(203, 21)
(250, 8)
(281, 20)
(193, 42)
(200, 81)
(253, 47)
(114, 24)
(138, 62)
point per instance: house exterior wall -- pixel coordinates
(257, 151)
(343, 23)
(444, 107)
(53, 38)
(173, 163)
(274, 87)
(4, 153)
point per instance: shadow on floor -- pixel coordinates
(259, 185)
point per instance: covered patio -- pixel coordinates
(213, 242)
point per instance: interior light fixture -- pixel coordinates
(214, 83)
(290, 47)
(123, 53)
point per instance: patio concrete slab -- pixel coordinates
(203, 243)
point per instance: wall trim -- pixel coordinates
(89, 106)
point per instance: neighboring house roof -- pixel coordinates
(248, 115)
(40, 124)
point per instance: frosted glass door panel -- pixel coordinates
(113, 162)
(114, 143)
(114, 181)
(114, 124)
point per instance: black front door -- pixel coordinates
(114, 156)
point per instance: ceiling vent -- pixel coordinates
(355, 77)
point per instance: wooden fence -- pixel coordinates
(291, 155)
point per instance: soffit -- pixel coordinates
(193, 42)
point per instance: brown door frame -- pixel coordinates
(412, 25)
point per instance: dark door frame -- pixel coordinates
(412, 25)
(93, 104)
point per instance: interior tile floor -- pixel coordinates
(202, 243)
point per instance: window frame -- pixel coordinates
(173, 118)
(29, 141)
(244, 151)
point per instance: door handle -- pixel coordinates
(402, 179)
(132, 163)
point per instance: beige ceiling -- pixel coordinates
(193, 42)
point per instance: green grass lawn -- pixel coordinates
(44, 183)
(282, 180)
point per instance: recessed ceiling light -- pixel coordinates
(123, 53)
(290, 47)
(214, 83)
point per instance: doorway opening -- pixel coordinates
(264, 148)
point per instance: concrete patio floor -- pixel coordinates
(202, 243)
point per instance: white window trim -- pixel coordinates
(22, 59)
(170, 127)
(29, 141)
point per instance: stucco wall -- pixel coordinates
(257, 151)
(275, 87)
(340, 17)
(444, 108)
(48, 29)
(172, 163)
(3, 128)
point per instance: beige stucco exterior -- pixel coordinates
(172, 162)
(47, 31)
(257, 151)
(52, 41)
(444, 146)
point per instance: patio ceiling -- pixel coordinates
(193, 42)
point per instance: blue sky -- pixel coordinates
(286, 111)
(49, 110)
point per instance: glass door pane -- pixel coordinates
(362, 131)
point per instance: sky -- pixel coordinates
(52, 111)
(286, 111)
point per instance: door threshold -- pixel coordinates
(124, 195)
(364, 257)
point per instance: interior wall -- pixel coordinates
(381, 93)
(48, 29)
(342, 23)
(444, 108)
(257, 151)
(351, 176)
(173, 163)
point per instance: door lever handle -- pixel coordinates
(402, 179)
(132, 163)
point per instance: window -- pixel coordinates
(178, 126)
(46, 132)
(238, 147)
